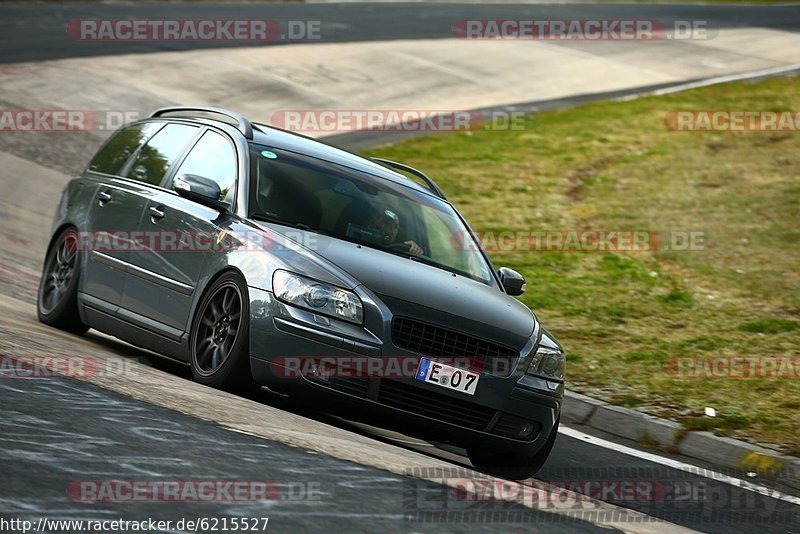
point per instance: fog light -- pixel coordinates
(526, 430)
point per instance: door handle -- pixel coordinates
(157, 213)
(103, 197)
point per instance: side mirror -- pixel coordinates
(199, 189)
(513, 282)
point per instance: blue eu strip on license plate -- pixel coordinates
(422, 372)
(447, 376)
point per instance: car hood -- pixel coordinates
(410, 284)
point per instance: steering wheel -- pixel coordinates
(402, 247)
(398, 247)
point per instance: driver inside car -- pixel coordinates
(387, 222)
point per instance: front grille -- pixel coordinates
(512, 426)
(435, 341)
(434, 405)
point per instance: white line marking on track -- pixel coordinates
(681, 466)
(713, 81)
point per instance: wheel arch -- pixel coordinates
(83, 257)
(245, 313)
(57, 232)
(211, 280)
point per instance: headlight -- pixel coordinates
(318, 297)
(548, 363)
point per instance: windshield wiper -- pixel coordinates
(425, 260)
(433, 263)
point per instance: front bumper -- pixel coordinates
(517, 412)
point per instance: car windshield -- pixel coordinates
(312, 194)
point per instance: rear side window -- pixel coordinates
(213, 157)
(118, 149)
(161, 151)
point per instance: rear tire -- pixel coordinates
(219, 342)
(511, 465)
(57, 298)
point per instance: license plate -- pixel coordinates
(447, 376)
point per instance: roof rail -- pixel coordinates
(240, 121)
(411, 170)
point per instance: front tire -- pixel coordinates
(513, 466)
(220, 336)
(57, 298)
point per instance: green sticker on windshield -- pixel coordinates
(269, 155)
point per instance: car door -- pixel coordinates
(182, 234)
(116, 209)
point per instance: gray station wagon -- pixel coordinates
(260, 257)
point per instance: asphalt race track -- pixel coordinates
(125, 439)
(146, 420)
